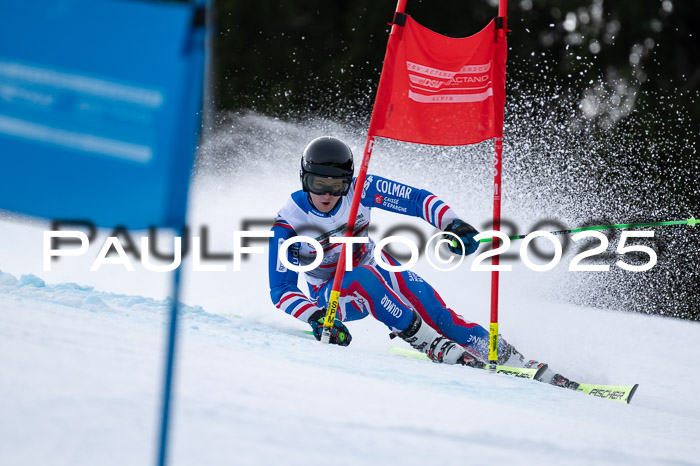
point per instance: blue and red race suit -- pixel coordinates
(368, 289)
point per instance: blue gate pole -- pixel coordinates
(205, 7)
(169, 366)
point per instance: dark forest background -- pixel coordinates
(278, 56)
(295, 58)
(625, 70)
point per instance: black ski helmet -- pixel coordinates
(327, 157)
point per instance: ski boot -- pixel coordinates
(509, 356)
(561, 381)
(425, 339)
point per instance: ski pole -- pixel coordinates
(691, 221)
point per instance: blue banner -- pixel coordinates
(100, 109)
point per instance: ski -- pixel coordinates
(620, 393)
(519, 372)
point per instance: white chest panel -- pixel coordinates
(321, 227)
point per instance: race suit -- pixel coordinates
(390, 297)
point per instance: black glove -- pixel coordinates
(466, 233)
(339, 332)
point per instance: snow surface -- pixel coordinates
(81, 358)
(81, 384)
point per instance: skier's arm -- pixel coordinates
(397, 197)
(284, 292)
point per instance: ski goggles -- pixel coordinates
(319, 184)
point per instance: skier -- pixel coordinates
(403, 301)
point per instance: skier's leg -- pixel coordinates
(364, 291)
(433, 310)
(473, 337)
